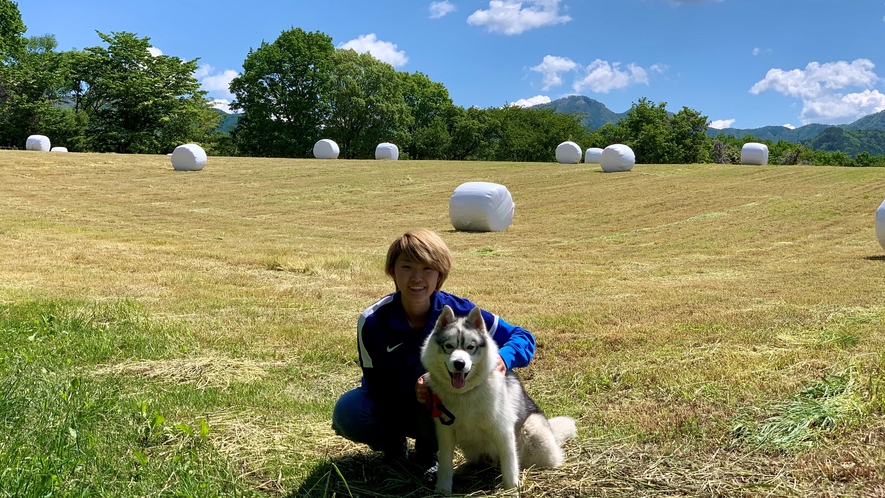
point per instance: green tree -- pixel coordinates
(283, 93)
(688, 130)
(366, 105)
(138, 103)
(39, 84)
(12, 29)
(429, 105)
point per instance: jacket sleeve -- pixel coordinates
(516, 345)
(367, 352)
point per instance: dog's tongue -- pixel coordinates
(459, 380)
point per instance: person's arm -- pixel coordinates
(516, 345)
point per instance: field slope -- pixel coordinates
(716, 330)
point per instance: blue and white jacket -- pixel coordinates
(390, 350)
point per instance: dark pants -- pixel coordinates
(358, 418)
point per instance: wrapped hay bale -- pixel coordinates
(188, 157)
(592, 155)
(481, 207)
(753, 153)
(617, 157)
(568, 153)
(880, 224)
(326, 149)
(39, 143)
(386, 150)
(59, 149)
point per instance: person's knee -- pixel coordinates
(351, 416)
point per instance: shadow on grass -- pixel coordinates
(878, 257)
(369, 475)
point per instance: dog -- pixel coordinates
(490, 417)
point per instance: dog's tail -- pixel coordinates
(564, 428)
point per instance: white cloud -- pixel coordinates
(721, 124)
(536, 100)
(155, 52)
(658, 68)
(222, 104)
(551, 66)
(821, 87)
(512, 17)
(381, 50)
(218, 85)
(756, 51)
(602, 77)
(440, 9)
(788, 125)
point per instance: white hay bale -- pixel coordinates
(326, 149)
(617, 157)
(188, 157)
(38, 142)
(880, 224)
(753, 153)
(387, 150)
(592, 155)
(58, 149)
(481, 207)
(568, 153)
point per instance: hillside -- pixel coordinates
(228, 121)
(851, 142)
(774, 133)
(594, 114)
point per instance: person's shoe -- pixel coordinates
(428, 464)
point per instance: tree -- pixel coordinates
(283, 93)
(366, 105)
(12, 30)
(688, 130)
(37, 84)
(429, 105)
(138, 103)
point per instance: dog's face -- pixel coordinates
(457, 351)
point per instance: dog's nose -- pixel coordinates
(458, 364)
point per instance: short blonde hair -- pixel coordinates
(422, 246)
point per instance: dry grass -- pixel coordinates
(666, 301)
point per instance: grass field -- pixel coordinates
(715, 330)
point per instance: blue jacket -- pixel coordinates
(390, 350)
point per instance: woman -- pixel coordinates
(389, 407)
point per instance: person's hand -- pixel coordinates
(501, 366)
(421, 389)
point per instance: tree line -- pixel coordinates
(298, 89)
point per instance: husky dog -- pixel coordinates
(491, 417)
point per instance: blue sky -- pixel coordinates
(743, 63)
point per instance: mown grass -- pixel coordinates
(715, 330)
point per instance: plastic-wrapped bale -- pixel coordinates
(58, 149)
(880, 224)
(326, 149)
(188, 157)
(39, 143)
(481, 207)
(386, 150)
(568, 153)
(617, 157)
(592, 155)
(753, 153)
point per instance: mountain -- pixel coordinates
(593, 113)
(228, 121)
(851, 142)
(774, 133)
(871, 122)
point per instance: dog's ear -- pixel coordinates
(474, 318)
(446, 317)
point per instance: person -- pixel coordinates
(389, 405)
